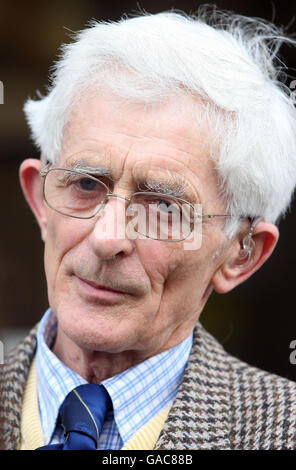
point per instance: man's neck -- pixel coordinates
(95, 366)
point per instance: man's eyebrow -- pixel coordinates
(86, 167)
(173, 187)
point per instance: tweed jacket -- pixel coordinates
(222, 404)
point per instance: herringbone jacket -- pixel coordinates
(222, 403)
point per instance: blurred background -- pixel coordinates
(257, 321)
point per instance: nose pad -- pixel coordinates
(131, 211)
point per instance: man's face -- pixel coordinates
(160, 287)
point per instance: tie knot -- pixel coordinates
(84, 410)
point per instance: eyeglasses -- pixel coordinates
(160, 216)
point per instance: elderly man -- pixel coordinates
(167, 154)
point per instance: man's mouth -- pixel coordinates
(114, 286)
(101, 287)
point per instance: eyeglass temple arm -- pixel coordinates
(212, 216)
(253, 220)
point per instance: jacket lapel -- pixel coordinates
(199, 417)
(13, 376)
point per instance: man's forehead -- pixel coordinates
(129, 140)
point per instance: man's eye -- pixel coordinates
(168, 207)
(87, 184)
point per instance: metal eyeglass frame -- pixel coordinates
(46, 169)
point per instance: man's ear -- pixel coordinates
(32, 188)
(238, 266)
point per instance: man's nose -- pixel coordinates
(108, 238)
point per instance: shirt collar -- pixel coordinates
(140, 392)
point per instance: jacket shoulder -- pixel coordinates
(262, 405)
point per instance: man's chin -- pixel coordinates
(95, 330)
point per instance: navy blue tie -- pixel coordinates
(82, 415)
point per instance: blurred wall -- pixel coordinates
(256, 321)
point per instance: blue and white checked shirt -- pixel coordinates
(137, 394)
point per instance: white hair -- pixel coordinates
(227, 60)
